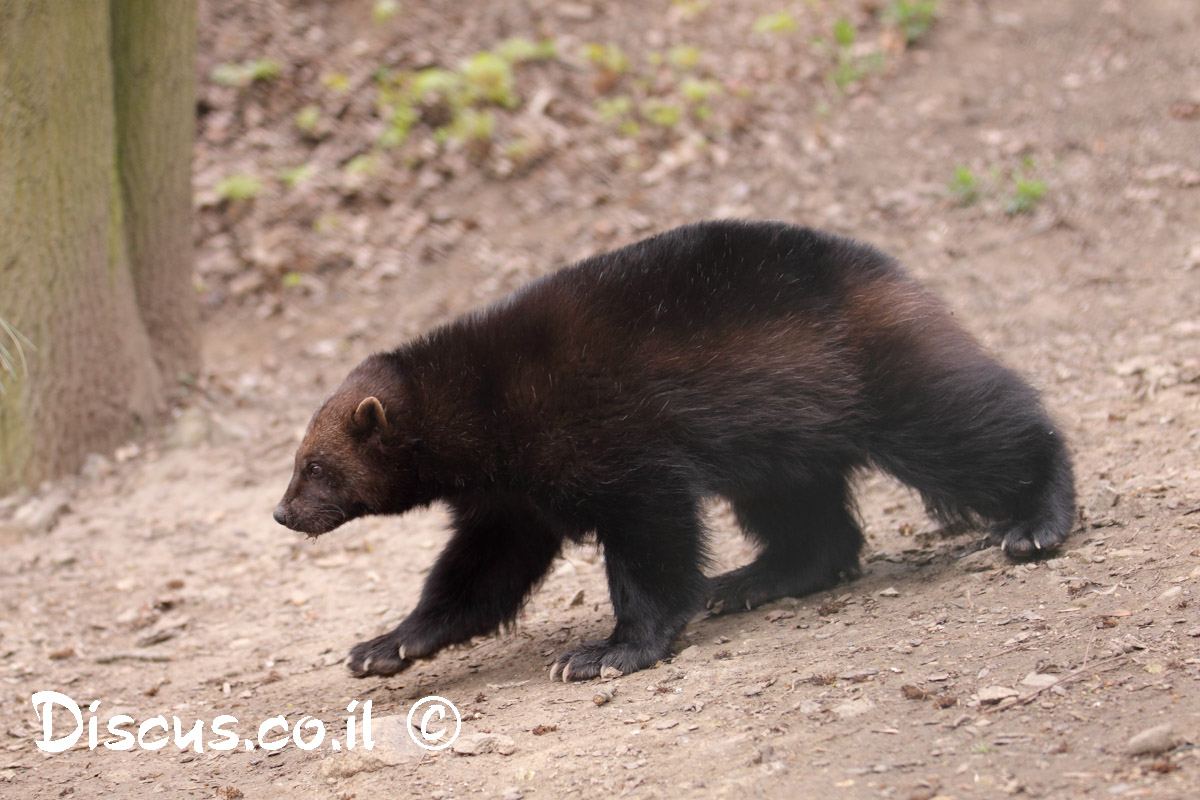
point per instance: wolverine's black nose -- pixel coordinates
(280, 515)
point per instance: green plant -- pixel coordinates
(1027, 193)
(362, 164)
(660, 112)
(308, 118)
(337, 82)
(472, 127)
(19, 343)
(383, 10)
(779, 22)
(844, 32)
(697, 90)
(486, 77)
(608, 57)
(611, 109)
(247, 72)
(237, 187)
(964, 186)
(518, 50)
(683, 56)
(691, 8)
(294, 176)
(849, 67)
(913, 18)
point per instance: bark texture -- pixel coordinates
(79, 232)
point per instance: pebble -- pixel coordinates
(990, 695)
(479, 743)
(1153, 741)
(853, 708)
(393, 746)
(1039, 680)
(39, 516)
(891, 591)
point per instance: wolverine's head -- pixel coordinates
(353, 461)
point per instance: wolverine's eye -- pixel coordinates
(314, 470)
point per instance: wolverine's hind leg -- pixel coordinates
(809, 538)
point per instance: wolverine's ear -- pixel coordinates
(369, 417)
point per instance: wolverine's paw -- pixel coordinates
(600, 659)
(756, 583)
(383, 655)
(1022, 540)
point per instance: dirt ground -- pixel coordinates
(157, 583)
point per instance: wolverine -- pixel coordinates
(760, 362)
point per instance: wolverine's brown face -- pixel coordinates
(350, 462)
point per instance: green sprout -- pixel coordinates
(488, 78)
(308, 118)
(1027, 193)
(383, 10)
(662, 113)
(608, 57)
(294, 176)
(779, 22)
(336, 82)
(683, 56)
(248, 72)
(844, 32)
(518, 50)
(913, 18)
(964, 186)
(614, 108)
(237, 187)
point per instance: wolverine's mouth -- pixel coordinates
(313, 524)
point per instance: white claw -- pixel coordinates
(555, 670)
(566, 674)
(1004, 545)
(1037, 544)
(366, 667)
(747, 605)
(403, 650)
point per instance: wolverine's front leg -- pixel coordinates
(500, 549)
(653, 552)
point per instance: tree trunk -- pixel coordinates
(154, 77)
(75, 215)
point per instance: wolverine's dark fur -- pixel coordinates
(757, 361)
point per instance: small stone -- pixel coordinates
(853, 708)
(1153, 741)
(889, 592)
(393, 746)
(39, 516)
(192, 428)
(980, 560)
(1039, 680)
(95, 466)
(990, 695)
(809, 707)
(666, 724)
(479, 743)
